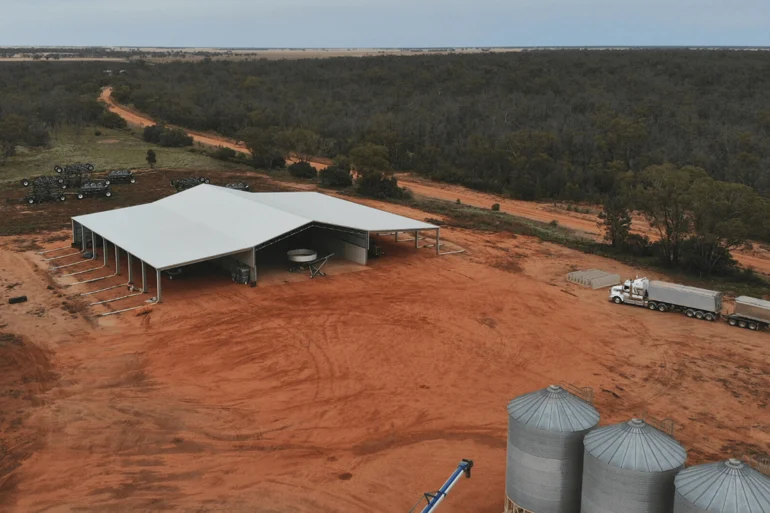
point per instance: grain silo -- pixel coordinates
(545, 449)
(630, 468)
(726, 487)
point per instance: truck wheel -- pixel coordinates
(689, 313)
(652, 306)
(732, 322)
(662, 307)
(753, 326)
(709, 316)
(699, 315)
(742, 324)
(617, 300)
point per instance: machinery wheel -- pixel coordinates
(62, 198)
(24, 182)
(699, 315)
(106, 182)
(742, 324)
(732, 322)
(652, 306)
(206, 180)
(80, 195)
(90, 167)
(133, 180)
(662, 307)
(108, 193)
(689, 313)
(58, 169)
(64, 186)
(709, 316)
(753, 326)
(617, 300)
(30, 200)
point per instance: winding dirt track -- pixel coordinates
(585, 224)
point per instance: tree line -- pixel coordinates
(37, 99)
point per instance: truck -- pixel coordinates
(669, 297)
(750, 313)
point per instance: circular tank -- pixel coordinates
(545, 449)
(726, 487)
(630, 468)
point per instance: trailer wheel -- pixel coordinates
(617, 300)
(133, 180)
(709, 316)
(80, 195)
(30, 200)
(699, 315)
(652, 306)
(62, 198)
(689, 313)
(753, 326)
(90, 167)
(108, 193)
(732, 322)
(25, 182)
(662, 307)
(742, 324)
(58, 169)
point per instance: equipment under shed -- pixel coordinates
(238, 231)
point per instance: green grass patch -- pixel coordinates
(113, 149)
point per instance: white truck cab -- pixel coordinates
(632, 292)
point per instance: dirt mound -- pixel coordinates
(26, 373)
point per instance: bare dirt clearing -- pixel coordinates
(356, 392)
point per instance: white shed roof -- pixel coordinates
(208, 221)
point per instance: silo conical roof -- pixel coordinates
(635, 445)
(729, 486)
(553, 409)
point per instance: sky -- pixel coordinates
(384, 23)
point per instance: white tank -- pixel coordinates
(545, 449)
(726, 487)
(630, 468)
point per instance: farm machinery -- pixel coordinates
(44, 189)
(74, 175)
(434, 499)
(183, 184)
(238, 186)
(120, 176)
(94, 188)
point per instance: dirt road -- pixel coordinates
(352, 393)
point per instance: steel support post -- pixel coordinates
(104, 247)
(254, 265)
(130, 270)
(144, 277)
(93, 246)
(159, 296)
(74, 238)
(416, 238)
(396, 236)
(82, 238)
(438, 242)
(117, 260)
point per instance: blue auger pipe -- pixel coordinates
(435, 499)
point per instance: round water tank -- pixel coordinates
(726, 487)
(545, 449)
(630, 468)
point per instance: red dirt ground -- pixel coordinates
(355, 392)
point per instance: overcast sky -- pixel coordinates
(384, 23)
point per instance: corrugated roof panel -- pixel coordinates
(209, 221)
(330, 210)
(553, 409)
(635, 445)
(725, 487)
